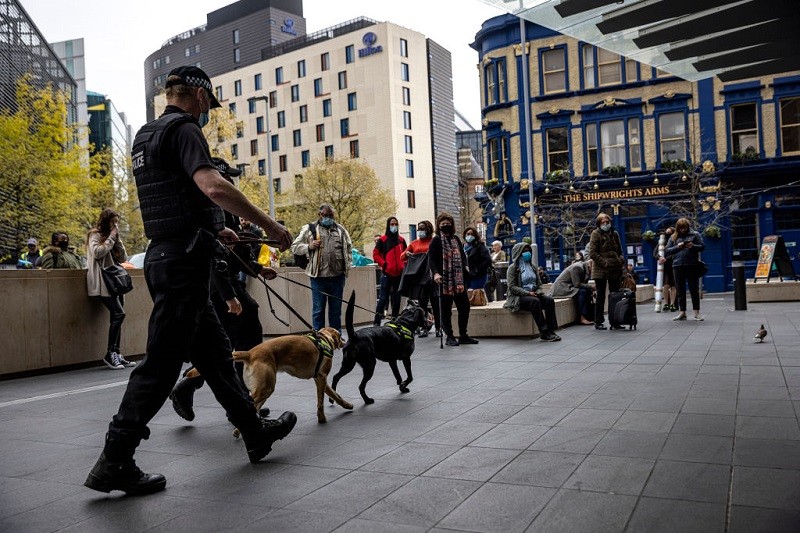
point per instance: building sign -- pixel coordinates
(288, 27)
(628, 193)
(369, 41)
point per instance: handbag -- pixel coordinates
(478, 298)
(628, 282)
(117, 280)
(701, 268)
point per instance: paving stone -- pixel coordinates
(646, 445)
(539, 416)
(472, 463)
(611, 474)
(753, 519)
(657, 515)
(592, 512)
(772, 453)
(771, 408)
(569, 440)
(697, 424)
(591, 418)
(645, 421)
(689, 481)
(510, 437)
(698, 448)
(766, 487)
(412, 458)
(544, 469)
(760, 427)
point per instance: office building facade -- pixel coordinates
(611, 134)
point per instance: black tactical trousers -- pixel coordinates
(183, 327)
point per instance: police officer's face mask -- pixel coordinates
(203, 118)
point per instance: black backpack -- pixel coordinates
(302, 260)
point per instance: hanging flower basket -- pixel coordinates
(649, 235)
(712, 232)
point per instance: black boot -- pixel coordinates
(182, 396)
(259, 444)
(125, 476)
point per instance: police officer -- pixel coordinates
(182, 196)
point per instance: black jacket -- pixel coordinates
(478, 260)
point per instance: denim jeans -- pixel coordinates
(390, 291)
(335, 287)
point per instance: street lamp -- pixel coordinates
(269, 155)
(524, 101)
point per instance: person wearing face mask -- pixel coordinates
(420, 246)
(525, 293)
(329, 249)
(449, 268)
(388, 254)
(478, 262)
(605, 251)
(57, 255)
(182, 196)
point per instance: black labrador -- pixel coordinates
(390, 343)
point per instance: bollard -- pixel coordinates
(739, 288)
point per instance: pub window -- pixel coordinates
(498, 158)
(593, 162)
(672, 141)
(744, 235)
(557, 148)
(587, 54)
(631, 70)
(609, 67)
(744, 128)
(495, 82)
(634, 144)
(612, 143)
(554, 70)
(790, 125)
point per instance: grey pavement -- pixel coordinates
(677, 426)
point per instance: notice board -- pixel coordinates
(773, 251)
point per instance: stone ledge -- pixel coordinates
(773, 291)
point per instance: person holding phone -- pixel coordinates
(684, 247)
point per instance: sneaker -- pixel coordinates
(451, 341)
(422, 334)
(666, 308)
(549, 337)
(260, 444)
(698, 318)
(123, 361)
(111, 359)
(681, 316)
(182, 396)
(127, 477)
(466, 339)
(556, 338)
(673, 308)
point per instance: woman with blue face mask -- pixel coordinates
(525, 293)
(605, 250)
(478, 261)
(388, 253)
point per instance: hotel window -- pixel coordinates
(273, 99)
(301, 68)
(237, 88)
(344, 127)
(305, 158)
(262, 167)
(237, 56)
(672, 132)
(326, 107)
(407, 120)
(218, 91)
(404, 76)
(634, 144)
(298, 181)
(260, 125)
(276, 182)
(353, 149)
(295, 90)
(412, 198)
(352, 102)
(297, 138)
(587, 55)
(275, 142)
(790, 125)
(349, 54)
(235, 36)
(278, 75)
(554, 70)
(251, 106)
(406, 96)
(409, 168)
(235, 151)
(342, 80)
(281, 119)
(495, 78)
(325, 61)
(403, 48)
(253, 147)
(557, 149)
(744, 128)
(232, 108)
(257, 82)
(320, 132)
(631, 70)
(318, 87)
(303, 113)
(282, 163)
(609, 67)
(409, 144)
(329, 152)
(239, 130)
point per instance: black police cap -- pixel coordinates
(193, 77)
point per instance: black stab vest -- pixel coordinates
(172, 205)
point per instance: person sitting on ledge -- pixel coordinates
(573, 282)
(525, 293)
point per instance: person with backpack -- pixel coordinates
(324, 249)
(388, 254)
(605, 251)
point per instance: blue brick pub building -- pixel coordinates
(614, 135)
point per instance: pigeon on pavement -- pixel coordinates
(760, 334)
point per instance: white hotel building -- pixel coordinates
(376, 91)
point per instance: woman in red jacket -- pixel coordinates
(388, 254)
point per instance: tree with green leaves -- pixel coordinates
(350, 186)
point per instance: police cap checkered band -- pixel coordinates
(224, 168)
(192, 77)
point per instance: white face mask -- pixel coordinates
(422, 233)
(605, 227)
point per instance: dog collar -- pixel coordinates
(402, 331)
(324, 349)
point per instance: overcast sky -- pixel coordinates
(119, 35)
